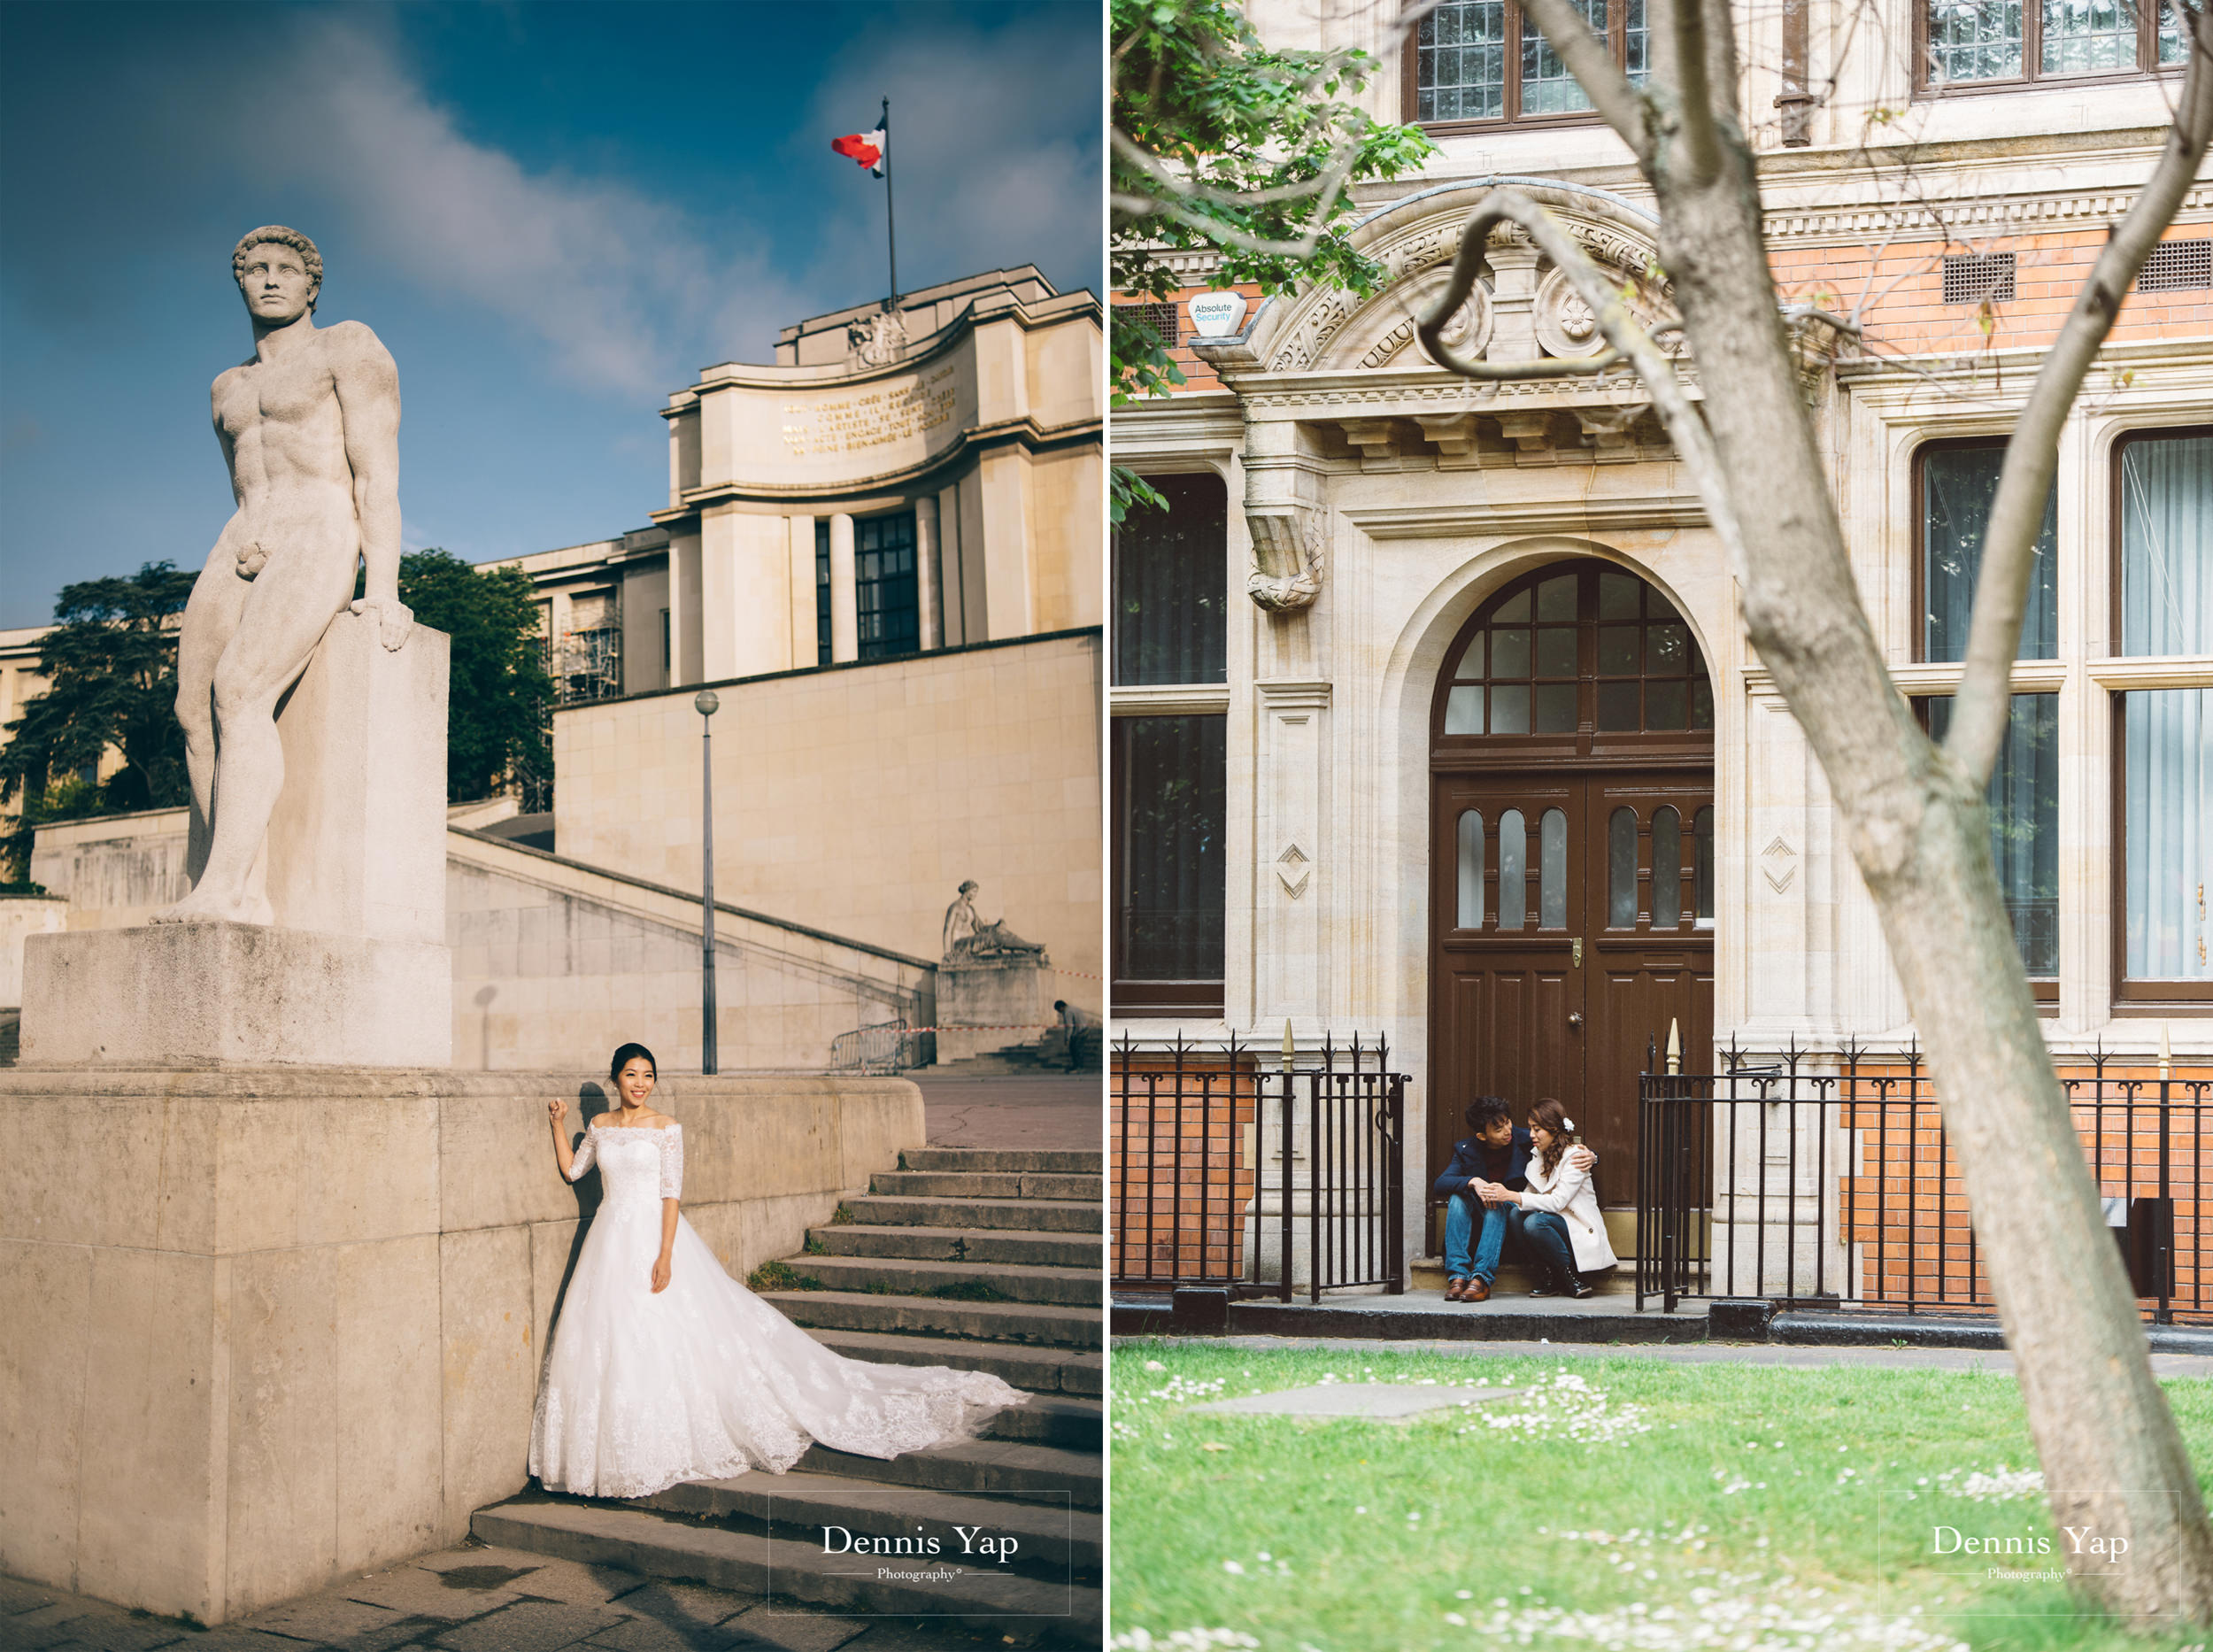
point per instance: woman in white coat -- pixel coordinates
(1562, 1232)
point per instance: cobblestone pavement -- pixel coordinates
(1041, 1111)
(478, 1598)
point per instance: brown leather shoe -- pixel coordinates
(1453, 1288)
(1478, 1289)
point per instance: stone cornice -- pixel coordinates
(1155, 700)
(1513, 519)
(1024, 432)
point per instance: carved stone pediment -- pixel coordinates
(1528, 311)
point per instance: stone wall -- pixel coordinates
(554, 962)
(268, 1327)
(858, 800)
(21, 915)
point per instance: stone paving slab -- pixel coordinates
(1021, 1111)
(529, 1626)
(1378, 1402)
(476, 1598)
(797, 1631)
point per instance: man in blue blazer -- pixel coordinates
(1486, 1166)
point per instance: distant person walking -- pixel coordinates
(1074, 1023)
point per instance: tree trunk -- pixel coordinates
(2113, 1457)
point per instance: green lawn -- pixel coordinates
(1654, 1507)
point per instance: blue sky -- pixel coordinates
(553, 215)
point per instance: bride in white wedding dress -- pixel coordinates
(664, 1368)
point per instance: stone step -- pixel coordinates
(1076, 1287)
(1034, 1216)
(667, 1546)
(1050, 1537)
(1515, 1279)
(1052, 1419)
(986, 1184)
(973, 1245)
(1052, 1160)
(1042, 1371)
(1010, 1468)
(994, 1322)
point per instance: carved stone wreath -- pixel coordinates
(1286, 536)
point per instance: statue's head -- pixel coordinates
(279, 273)
(969, 886)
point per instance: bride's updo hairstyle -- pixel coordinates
(625, 1054)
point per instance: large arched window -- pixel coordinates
(1576, 653)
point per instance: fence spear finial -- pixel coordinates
(1675, 1047)
(1289, 1049)
(2166, 1056)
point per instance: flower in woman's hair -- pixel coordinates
(1565, 1123)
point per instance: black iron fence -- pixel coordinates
(1232, 1168)
(1829, 1181)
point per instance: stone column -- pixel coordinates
(953, 568)
(927, 603)
(1291, 805)
(1010, 595)
(844, 615)
(805, 647)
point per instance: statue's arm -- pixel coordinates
(368, 402)
(223, 436)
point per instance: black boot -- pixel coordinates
(1577, 1286)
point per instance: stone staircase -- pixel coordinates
(1042, 1057)
(989, 1259)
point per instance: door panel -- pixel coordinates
(1507, 1004)
(1514, 1012)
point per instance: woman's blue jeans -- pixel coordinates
(1545, 1234)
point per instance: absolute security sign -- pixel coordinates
(1217, 314)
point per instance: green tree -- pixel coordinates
(500, 700)
(1222, 144)
(110, 669)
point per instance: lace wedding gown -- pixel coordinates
(703, 1380)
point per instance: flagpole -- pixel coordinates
(890, 234)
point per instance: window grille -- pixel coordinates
(2176, 265)
(1974, 278)
(1167, 320)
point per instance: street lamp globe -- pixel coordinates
(706, 703)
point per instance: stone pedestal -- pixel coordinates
(357, 841)
(270, 1329)
(355, 970)
(190, 995)
(988, 1004)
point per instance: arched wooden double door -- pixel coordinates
(1572, 855)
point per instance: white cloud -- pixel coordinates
(619, 288)
(986, 173)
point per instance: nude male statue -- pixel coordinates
(309, 430)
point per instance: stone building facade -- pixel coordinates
(1512, 789)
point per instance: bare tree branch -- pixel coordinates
(1694, 101)
(1631, 342)
(1620, 104)
(1984, 702)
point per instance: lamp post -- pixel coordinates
(707, 704)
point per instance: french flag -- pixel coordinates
(865, 147)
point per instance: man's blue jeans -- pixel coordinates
(1468, 1220)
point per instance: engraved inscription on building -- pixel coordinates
(870, 420)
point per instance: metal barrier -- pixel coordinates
(1264, 1182)
(888, 1047)
(1830, 1182)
